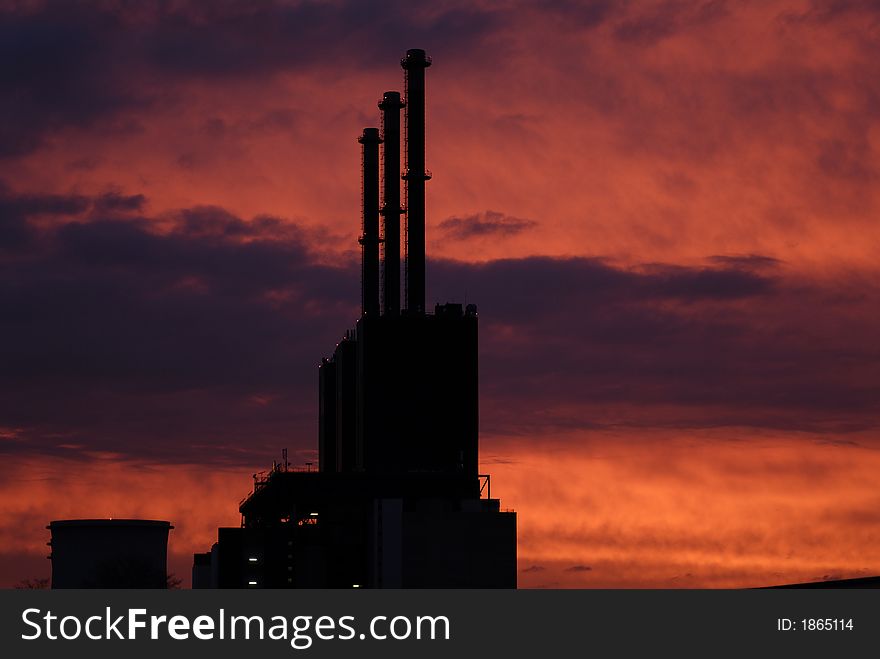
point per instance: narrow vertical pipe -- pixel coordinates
(391, 211)
(415, 63)
(369, 239)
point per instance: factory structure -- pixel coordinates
(109, 553)
(397, 500)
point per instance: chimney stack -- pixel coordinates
(415, 63)
(369, 240)
(391, 211)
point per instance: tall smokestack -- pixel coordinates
(415, 63)
(391, 211)
(369, 240)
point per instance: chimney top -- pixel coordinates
(415, 57)
(370, 135)
(391, 100)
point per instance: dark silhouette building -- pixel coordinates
(858, 582)
(397, 500)
(109, 553)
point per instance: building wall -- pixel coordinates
(327, 416)
(348, 455)
(109, 553)
(393, 543)
(417, 392)
(459, 550)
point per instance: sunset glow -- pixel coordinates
(666, 213)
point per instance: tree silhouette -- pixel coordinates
(33, 584)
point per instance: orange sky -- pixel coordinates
(724, 509)
(665, 130)
(665, 210)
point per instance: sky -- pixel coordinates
(665, 211)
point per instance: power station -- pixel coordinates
(109, 553)
(397, 500)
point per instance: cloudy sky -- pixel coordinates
(667, 213)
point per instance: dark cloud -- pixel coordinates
(579, 568)
(135, 335)
(579, 341)
(534, 568)
(664, 19)
(661, 280)
(745, 261)
(837, 442)
(16, 209)
(547, 285)
(115, 202)
(41, 204)
(85, 64)
(60, 65)
(487, 223)
(580, 14)
(829, 11)
(197, 328)
(202, 39)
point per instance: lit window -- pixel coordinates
(252, 559)
(355, 585)
(252, 583)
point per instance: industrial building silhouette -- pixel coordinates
(109, 553)
(397, 500)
